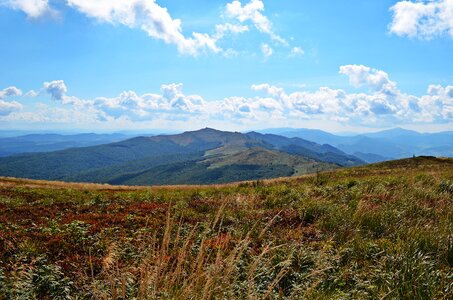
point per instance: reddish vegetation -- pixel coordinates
(345, 232)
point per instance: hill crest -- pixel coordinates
(181, 158)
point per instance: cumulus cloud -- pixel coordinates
(437, 104)
(252, 12)
(171, 100)
(266, 50)
(32, 8)
(381, 104)
(360, 75)
(384, 103)
(148, 16)
(10, 92)
(7, 107)
(422, 19)
(156, 21)
(56, 89)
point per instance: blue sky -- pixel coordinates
(142, 64)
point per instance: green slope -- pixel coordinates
(251, 164)
(203, 156)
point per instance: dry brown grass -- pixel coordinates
(203, 263)
(381, 231)
(32, 183)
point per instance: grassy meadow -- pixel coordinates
(382, 231)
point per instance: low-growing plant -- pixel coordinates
(35, 279)
(374, 232)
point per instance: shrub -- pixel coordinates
(35, 279)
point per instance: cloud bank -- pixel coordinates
(382, 104)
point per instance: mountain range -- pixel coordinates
(380, 146)
(194, 157)
(46, 142)
(207, 155)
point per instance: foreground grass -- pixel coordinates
(376, 232)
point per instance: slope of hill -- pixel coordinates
(380, 231)
(53, 142)
(383, 145)
(181, 158)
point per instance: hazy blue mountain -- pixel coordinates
(376, 146)
(392, 133)
(387, 144)
(370, 157)
(15, 133)
(317, 136)
(277, 131)
(203, 156)
(415, 139)
(446, 151)
(48, 142)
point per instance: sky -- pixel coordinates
(111, 65)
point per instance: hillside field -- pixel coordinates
(382, 231)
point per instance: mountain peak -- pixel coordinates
(392, 133)
(206, 129)
(400, 130)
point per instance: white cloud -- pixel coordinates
(223, 29)
(297, 51)
(57, 89)
(32, 8)
(266, 50)
(171, 100)
(422, 19)
(173, 95)
(360, 75)
(7, 107)
(156, 21)
(10, 92)
(271, 90)
(31, 94)
(252, 12)
(382, 105)
(148, 16)
(438, 104)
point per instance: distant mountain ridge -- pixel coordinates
(202, 156)
(48, 142)
(383, 145)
